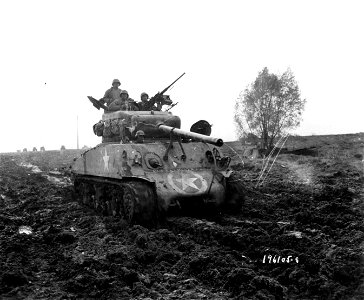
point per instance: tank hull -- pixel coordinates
(177, 172)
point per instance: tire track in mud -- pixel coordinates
(30, 201)
(54, 177)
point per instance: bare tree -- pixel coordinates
(268, 107)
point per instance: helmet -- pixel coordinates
(124, 92)
(116, 81)
(144, 94)
(139, 132)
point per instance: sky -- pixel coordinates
(54, 54)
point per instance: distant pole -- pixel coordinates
(77, 134)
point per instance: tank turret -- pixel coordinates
(122, 126)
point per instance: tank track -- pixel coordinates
(134, 201)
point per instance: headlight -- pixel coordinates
(153, 161)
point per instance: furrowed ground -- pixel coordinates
(299, 236)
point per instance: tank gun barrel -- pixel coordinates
(191, 135)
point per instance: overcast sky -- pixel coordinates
(54, 54)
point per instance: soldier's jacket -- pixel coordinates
(147, 105)
(111, 95)
(119, 104)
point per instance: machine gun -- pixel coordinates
(158, 99)
(161, 99)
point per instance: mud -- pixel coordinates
(299, 236)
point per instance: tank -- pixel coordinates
(146, 167)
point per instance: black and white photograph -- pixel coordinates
(165, 150)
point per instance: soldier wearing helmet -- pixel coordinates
(145, 104)
(112, 93)
(144, 97)
(140, 136)
(124, 103)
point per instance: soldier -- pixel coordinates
(140, 136)
(124, 103)
(144, 97)
(112, 93)
(145, 104)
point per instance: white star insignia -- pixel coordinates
(187, 182)
(106, 161)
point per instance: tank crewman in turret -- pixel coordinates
(140, 136)
(112, 93)
(145, 104)
(124, 103)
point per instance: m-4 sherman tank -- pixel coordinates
(146, 166)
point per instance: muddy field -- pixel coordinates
(299, 236)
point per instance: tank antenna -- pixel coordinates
(77, 134)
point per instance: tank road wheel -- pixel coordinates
(139, 203)
(115, 198)
(86, 193)
(129, 203)
(99, 200)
